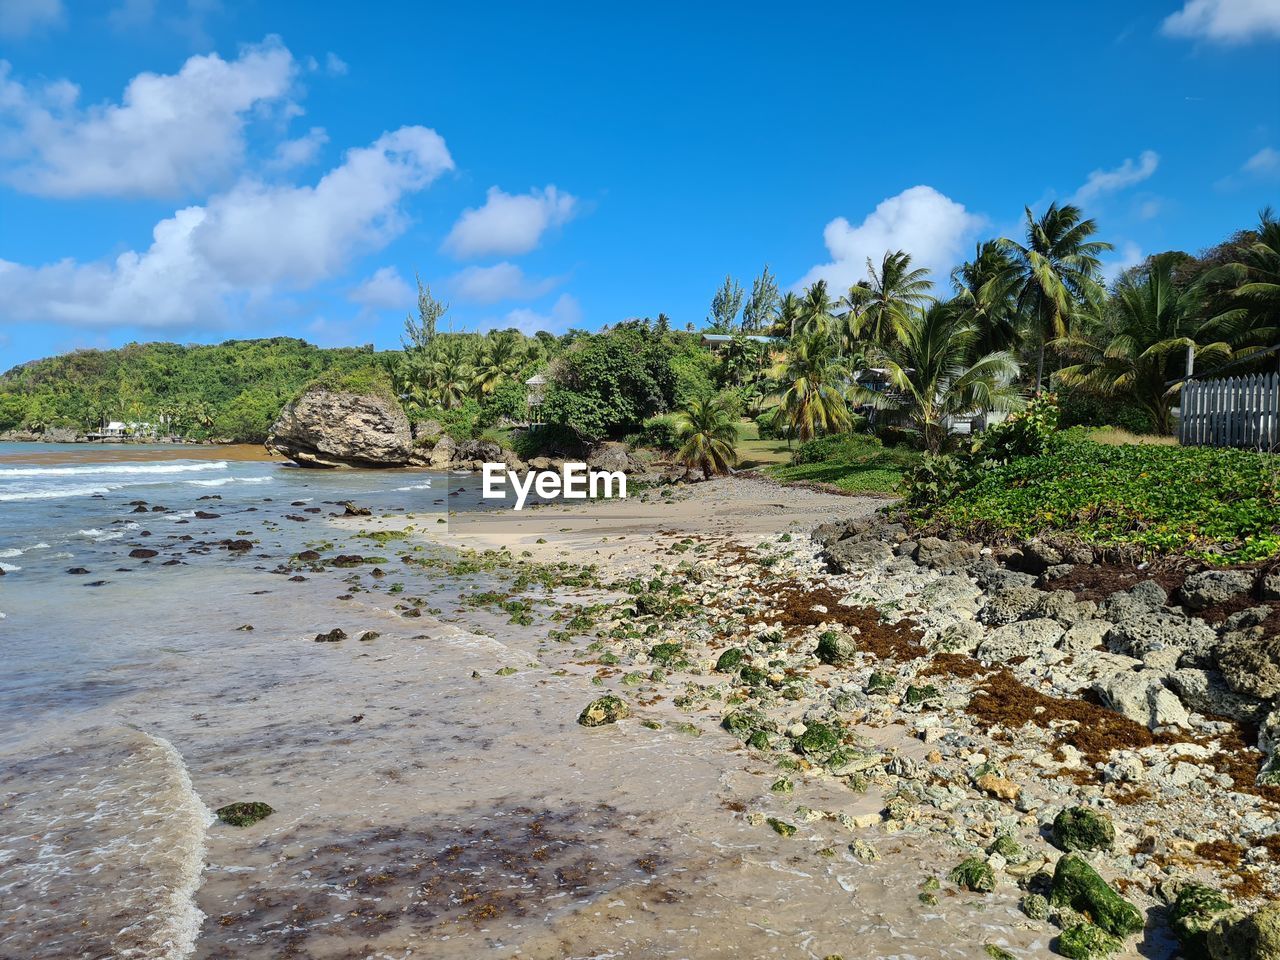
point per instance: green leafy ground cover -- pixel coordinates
(1217, 504)
(855, 463)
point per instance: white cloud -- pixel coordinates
(170, 134)
(502, 281)
(1130, 256)
(1127, 174)
(242, 246)
(21, 17)
(1225, 21)
(334, 65)
(565, 313)
(931, 227)
(1265, 162)
(509, 224)
(385, 290)
(300, 152)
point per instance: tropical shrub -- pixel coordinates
(661, 432)
(1025, 434)
(708, 436)
(933, 479)
(1081, 409)
(834, 447)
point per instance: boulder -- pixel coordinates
(1009, 606)
(479, 451)
(1038, 556)
(603, 710)
(443, 453)
(1269, 585)
(1077, 885)
(1025, 638)
(330, 428)
(612, 455)
(1143, 698)
(848, 556)
(1241, 935)
(1250, 662)
(946, 555)
(1079, 828)
(1155, 630)
(1146, 597)
(1206, 692)
(1212, 587)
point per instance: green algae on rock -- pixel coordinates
(973, 874)
(1084, 941)
(781, 827)
(1078, 885)
(730, 660)
(1241, 935)
(835, 648)
(1079, 828)
(1195, 912)
(603, 710)
(244, 813)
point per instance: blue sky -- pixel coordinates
(196, 170)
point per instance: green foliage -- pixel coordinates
(607, 384)
(1025, 434)
(856, 463)
(708, 436)
(1082, 409)
(661, 432)
(935, 478)
(366, 381)
(231, 390)
(1148, 497)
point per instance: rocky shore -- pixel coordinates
(1091, 737)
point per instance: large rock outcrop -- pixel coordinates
(329, 428)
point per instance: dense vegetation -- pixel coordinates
(854, 463)
(230, 391)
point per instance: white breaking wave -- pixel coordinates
(416, 486)
(9, 567)
(221, 481)
(113, 469)
(54, 494)
(100, 535)
(11, 552)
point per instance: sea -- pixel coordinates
(433, 795)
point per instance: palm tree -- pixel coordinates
(450, 373)
(789, 313)
(1252, 317)
(1059, 272)
(812, 400)
(816, 311)
(1135, 349)
(986, 296)
(930, 365)
(708, 436)
(499, 359)
(884, 305)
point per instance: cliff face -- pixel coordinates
(326, 428)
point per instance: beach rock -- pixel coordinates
(1194, 913)
(1038, 556)
(1080, 828)
(328, 428)
(836, 648)
(1250, 662)
(1062, 605)
(244, 813)
(1085, 635)
(143, 553)
(973, 874)
(1154, 630)
(1241, 935)
(945, 555)
(963, 636)
(1269, 585)
(1084, 941)
(1022, 639)
(849, 556)
(1206, 692)
(1212, 587)
(612, 455)
(333, 636)
(1145, 597)
(1078, 886)
(443, 453)
(1143, 698)
(603, 710)
(1009, 606)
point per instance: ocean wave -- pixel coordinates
(100, 535)
(222, 481)
(415, 486)
(57, 493)
(11, 552)
(9, 567)
(114, 469)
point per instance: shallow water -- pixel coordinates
(420, 810)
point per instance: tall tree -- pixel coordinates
(817, 311)
(986, 290)
(1251, 306)
(762, 306)
(812, 400)
(421, 333)
(930, 365)
(1059, 271)
(1137, 346)
(893, 292)
(725, 306)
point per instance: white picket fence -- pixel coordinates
(1233, 412)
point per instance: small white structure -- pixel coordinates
(114, 429)
(537, 385)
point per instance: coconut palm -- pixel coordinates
(986, 296)
(499, 359)
(1138, 346)
(789, 313)
(930, 366)
(890, 296)
(812, 398)
(1252, 314)
(817, 311)
(1059, 272)
(708, 436)
(450, 373)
